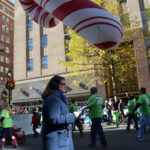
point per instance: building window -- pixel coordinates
(30, 44)
(8, 11)
(7, 30)
(2, 37)
(30, 65)
(30, 25)
(7, 39)
(3, 28)
(3, 18)
(1, 69)
(7, 20)
(45, 62)
(6, 70)
(7, 60)
(44, 41)
(7, 50)
(2, 79)
(3, 8)
(2, 58)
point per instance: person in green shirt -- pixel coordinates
(73, 108)
(6, 117)
(115, 115)
(131, 106)
(96, 103)
(143, 103)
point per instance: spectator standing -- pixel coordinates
(108, 108)
(143, 103)
(132, 116)
(57, 121)
(35, 122)
(121, 109)
(72, 108)
(96, 114)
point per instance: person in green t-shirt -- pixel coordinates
(6, 116)
(96, 114)
(115, 115)
(143, 103)
(131, 106)
(73, 108)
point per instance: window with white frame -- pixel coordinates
(3, 18)
(7, 39)
(6, 70)
(7, 50)
(7, 60)
(3, 8)
(7, 30)
(7, 20)
(1, 69)
(2, 37)
(8, 11)
(3, 27)
(2, 58)
(2, 78)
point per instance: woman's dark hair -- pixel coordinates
(52, 85)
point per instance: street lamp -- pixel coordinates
(10, 84)
(9, 74)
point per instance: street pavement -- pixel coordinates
(118, 139)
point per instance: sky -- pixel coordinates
(13, 1)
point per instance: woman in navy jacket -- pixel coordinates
(57, 121)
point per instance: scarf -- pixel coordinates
(60, 94)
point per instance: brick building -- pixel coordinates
(6, 37)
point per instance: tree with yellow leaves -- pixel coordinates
(113, 67)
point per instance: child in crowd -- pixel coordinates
(35, 122)
(116, 114)
(6, 117)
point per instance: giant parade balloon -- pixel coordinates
(38, 14)
(86, 18)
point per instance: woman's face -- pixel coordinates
(62, 86)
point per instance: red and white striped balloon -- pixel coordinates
(86, 18)
(38, 14)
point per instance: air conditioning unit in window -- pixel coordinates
(148, 45)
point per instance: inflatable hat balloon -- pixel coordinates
(86, 18)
